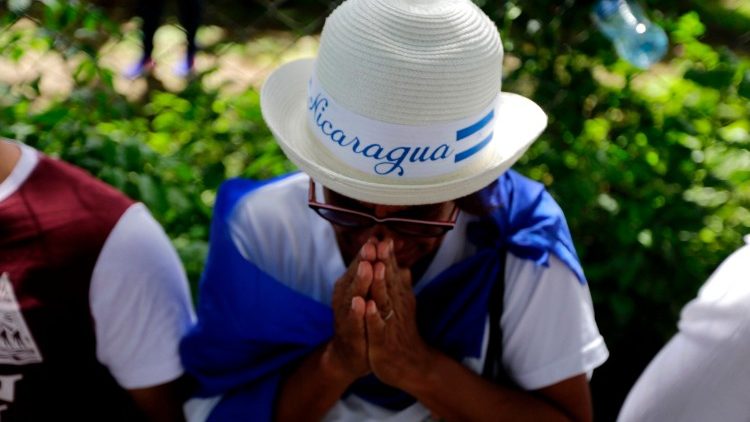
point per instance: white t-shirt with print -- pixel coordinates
(549, 332)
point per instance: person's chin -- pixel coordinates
(410, 261)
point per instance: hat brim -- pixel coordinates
(518, 122)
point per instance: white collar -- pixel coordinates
(23, 168)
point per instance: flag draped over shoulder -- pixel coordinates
(252, 328)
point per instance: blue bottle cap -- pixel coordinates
(606, 8)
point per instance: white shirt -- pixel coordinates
(139, 295)
(703, 373)
(549, 332)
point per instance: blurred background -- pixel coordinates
(652, 167)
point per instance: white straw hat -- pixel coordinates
(402, 105)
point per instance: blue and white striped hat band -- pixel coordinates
(395, 150)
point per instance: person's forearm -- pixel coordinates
(311, 390)
(453, 393)
(162, 403)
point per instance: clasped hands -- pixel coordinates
(375, 327)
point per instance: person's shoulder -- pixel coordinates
(517, 182)
(526, 193)
(728, 287)
(285, 187)
(525, 273)
(278, 200)
(138, 237)
(91, 193)
(70, 204)
(735, 265)
(73, 174)
(722, 302)
(272, 215)
(273, 228)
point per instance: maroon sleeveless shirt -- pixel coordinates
(52, 230)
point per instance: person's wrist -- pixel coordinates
(334, 369)
(419, 378)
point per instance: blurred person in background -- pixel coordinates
(407, 273)
(151, 12)
(93, 299)
(703, 373)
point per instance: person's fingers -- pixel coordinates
(387, 256)
(385, 251)
(362, 279)
(351, 329)
(356, 316)
(404, 274)
(379, 291)
(368, 252)
(375, 324)
(358, 307)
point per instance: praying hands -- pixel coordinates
(375, 331)
(375, 319)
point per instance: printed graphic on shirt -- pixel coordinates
(17, 346)
(8, 391)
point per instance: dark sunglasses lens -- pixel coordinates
(416, 229)
(343, 218)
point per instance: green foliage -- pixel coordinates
(652, 169)
(171, 151)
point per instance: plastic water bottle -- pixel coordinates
(636, 39)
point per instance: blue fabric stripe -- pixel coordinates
(473, 150)
(476, 127)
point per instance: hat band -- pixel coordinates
(393, 150)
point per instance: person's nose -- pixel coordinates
(381, 232)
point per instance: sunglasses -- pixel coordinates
(350, 218)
